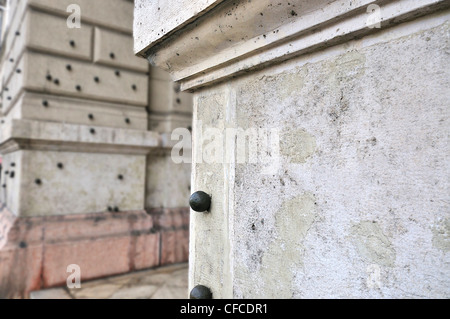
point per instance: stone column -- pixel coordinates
(343, 189)
(77, 151)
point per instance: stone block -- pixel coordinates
(41, 188)
(14, 47)
(71, 110)
(95, 257)
(46, 30)
(94, 12)
(128, 88)
(115, 49)
(146, 251)
(174, 246)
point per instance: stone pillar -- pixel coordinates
(342, 190)
(77, 151)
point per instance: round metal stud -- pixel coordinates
(200, 292)
(200, 201)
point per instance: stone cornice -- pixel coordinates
(220, 44)
(39, 135)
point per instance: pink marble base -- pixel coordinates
(35, 251)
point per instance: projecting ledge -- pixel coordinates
(27, 134)
(228, 38)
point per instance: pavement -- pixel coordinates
(168, 282)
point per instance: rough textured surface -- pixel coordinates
(39, 249)
(358, 204)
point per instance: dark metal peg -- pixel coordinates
(200, 292)
(200, 201)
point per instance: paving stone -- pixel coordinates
(100, 291)
(56, 293)
(135, 292)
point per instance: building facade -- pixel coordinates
(343, 190)
(86, 177)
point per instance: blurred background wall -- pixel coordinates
(86, 174)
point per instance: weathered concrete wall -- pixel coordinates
(83, 149)
(361, 188)
(355, 203)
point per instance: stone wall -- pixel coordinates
(351, 201)
(83, 134)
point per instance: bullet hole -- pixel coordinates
(69, 67)
(13, 164)
(6, 172)
(18, 71)
(293, 13)
(23, 244)
(96, 79)
(120, 176)
(110, 209)
(17, 33)
(56, 81)
(9, 98)
(72, 43)
(38, 181)
(11, 60)
(60, 165)
(45, 103)
(189, 128)
(91, 116)
(48, 77)
(116, 209)
(264, 36)
(253, 227)
(178, 54)
(261, 13)
(78, 88)
(117, 73)
(92, 131)
(112, 55)
(178, 100)
(4, 185)
(134, 87)
(127, 120)
(6, 89)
